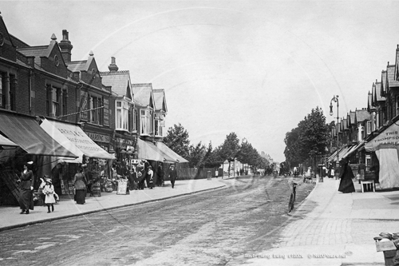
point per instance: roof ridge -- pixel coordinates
(34, 47)
(114, 72)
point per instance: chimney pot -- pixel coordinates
(113, 67)
(65, 34)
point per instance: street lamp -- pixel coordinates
(335, 99)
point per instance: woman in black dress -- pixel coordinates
(26, 189)
(346, 176)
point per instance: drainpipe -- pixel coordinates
(29, 90)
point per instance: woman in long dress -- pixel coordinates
(79, 183)
(26, 189)
(346, 176)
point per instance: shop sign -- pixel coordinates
(122, 142)
(99, 137)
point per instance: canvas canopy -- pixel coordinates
(27, 133)
(6, 142)
(75, 139)
(176, 157)
(386, 147)
(149, 151)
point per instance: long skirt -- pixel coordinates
(80, 196)
(26, 199)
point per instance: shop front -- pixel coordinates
(385, 146)
(90, 153)
(33, 144)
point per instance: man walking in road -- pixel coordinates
(172, 175)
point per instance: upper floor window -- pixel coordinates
(368, 128)
(122, 115)
(7, 91)
(145, 122)
(64, 103)
(53, 104)
(96, 112)
(159, 127)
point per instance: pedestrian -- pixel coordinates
(26, 184)
(141, 174)
(346, 176)
(172, 175)
(150, 177)
(79, 183)
(160, 175)
(50, 194)
(133, 176)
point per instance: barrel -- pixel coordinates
(96, 189)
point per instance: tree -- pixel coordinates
(230, 147)
(177, 140)
(196, 155)
(309, 138)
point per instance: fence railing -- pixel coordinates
(195, 173)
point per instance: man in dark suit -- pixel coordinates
(172, 175)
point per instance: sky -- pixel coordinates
(256, 68)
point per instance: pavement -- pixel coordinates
(328, 228)
(10, 217)
(332, 228)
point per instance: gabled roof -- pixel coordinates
(391, 77)
(351, 118)
(160, 101)
(344, 124)
(36, 52)
(119, 81)
(378, 92)
(82, 65)
(384, 82)
(362, 115)
(370, 105)
(143, 94)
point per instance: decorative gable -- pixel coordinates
(92, 75)
(7, 48)
(54, 63)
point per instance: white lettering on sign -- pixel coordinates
(99, 137)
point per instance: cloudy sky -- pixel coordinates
(255, 68)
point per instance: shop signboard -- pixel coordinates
(122, 187)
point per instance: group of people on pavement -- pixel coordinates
(26, 183)
(138, 177)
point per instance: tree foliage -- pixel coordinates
(177, 139)
(309, 138)
(201, 156)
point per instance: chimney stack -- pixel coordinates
(66, 46)
(113, 67)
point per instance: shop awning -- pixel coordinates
(75, 139)
(27, 133)
(353, 149)
(6, 142)
(389, 138)
(341, 153)
(171, 153)
(149, 151)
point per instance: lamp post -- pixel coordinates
(335, 99)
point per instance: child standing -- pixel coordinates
(49, 193)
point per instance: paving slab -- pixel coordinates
(332, 228)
